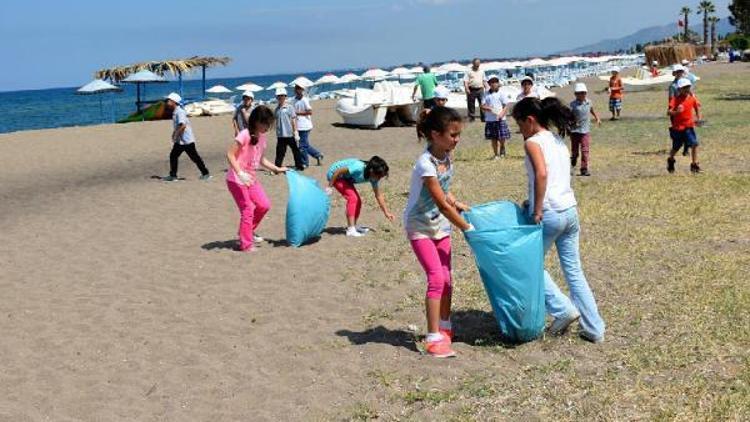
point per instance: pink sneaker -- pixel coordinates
(440, 348)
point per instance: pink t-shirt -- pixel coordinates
(249, 156)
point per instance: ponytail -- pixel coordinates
(261, 115)
(548, 112)
(436, 120)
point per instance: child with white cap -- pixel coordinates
(580, 134)
(304, 112)
(682, 130)
(616, 91)
(286, 131)
(441, 95)
(183, 139)
(242, 112)
(527, 88)
(495, 108)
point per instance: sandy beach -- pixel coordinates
(122, 297)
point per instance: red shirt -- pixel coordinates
(684, 119)
(615, 88)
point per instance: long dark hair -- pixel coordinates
(436, 120)
(376, 166)
(261, 115)
(548, 112)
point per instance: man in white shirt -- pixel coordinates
(475, 82)
(304, 125)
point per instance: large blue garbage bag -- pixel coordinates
(508, 249)
(307, 209)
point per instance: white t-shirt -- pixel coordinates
(496, 100)
(559, 195)
(533, 94)
(303, 105)
(422, 218)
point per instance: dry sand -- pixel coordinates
(123, 299)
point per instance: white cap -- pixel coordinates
(678, 68)
(527, 78)
(685, 62)
(615, 69)
(174, 97)
(683, 82)
(580, 87)
(248, 94)
(441, 92)
(280, 91)
(655, 63)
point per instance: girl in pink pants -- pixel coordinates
(429, 213)
(245, 155)
(344, 174)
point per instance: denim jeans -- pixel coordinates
(305, 148)
(562, 229)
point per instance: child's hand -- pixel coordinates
(599, 122)
(538, 218)
(329, 191)
(679, 109)
(461, 206)
(389, 216)
(246, 178)
(470, 229)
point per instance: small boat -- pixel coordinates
(645, 82)
(365, 109)
(209, 108)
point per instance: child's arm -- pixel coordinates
(343, 171)
(245, 178)
(596, 116)
(697, 108)
(271, 166)
(414, 92)
(177, 134)
(451, 213)
(456, 204)
(380, 197)
(503, 112)
(536, 156)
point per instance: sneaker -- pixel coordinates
(560, 325)
(257, 239)
(497, 157)
(440, 348)
(447, 333)
(363, 229)
(590, 337)
(573, 161)
(352, 232)
(169, 178)
(670, 165)
(319, 159)
(206, 177)
(585, 172)
(695, 168)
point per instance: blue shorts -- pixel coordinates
(615, 104)
(683, 137)
(497, 130)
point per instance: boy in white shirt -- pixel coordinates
(495, 108)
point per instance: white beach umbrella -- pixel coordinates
(375, 74)
(452, 67)
(302, 81)
(400, 71)
(142, 78)
(98, 86)
(416, 69)
(537, 62)
(249, 87)
(275, 85)
(329, 78)
(492, 66)
(349, 77)
(218, 89)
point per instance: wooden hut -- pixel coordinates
(668, 54)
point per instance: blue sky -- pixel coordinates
(56, 43)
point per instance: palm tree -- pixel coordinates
(685, 12)
(713, 20)
(706, 7)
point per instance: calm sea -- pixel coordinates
(61, 107)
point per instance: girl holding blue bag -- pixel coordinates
(430, 211)
(553, 203)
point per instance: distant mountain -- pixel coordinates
(654, 33)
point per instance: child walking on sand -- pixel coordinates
(429, 213)
(286, 131)
(344, 174)
(682, 130)
(495, 108)
(616, 91)
(551, 201)
(245, 155)
(580, 134)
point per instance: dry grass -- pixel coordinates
(667, 257)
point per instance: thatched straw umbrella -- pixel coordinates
(175, 67)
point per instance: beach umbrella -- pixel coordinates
(400, 71)
(452, 67)
(249, 87)
(348, 78)
(328, 78)
(275, 85)
(218, 89)
(416, 69)
(375, 74)
(302, 81)
(97, 87)
(142, 77)
(493, 66)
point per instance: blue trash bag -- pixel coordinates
(509, 251)
(307, 209)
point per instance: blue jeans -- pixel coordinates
(306, 149)
(562, 229)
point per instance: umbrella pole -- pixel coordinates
(112, 107)
(138, 96)
(101, 109)
(204, 81)
(143, 115)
